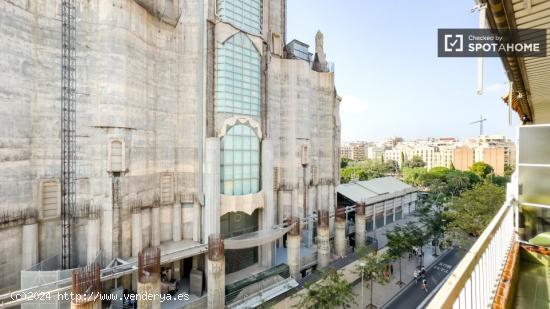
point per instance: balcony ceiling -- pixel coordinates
(536, 71)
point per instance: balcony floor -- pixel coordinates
(533, 286)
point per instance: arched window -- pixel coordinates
(240, 161)
(238, 89)
(243, 14)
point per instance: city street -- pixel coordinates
(412, 295)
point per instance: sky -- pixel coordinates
(388, 73)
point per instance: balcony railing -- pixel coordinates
(475, 280)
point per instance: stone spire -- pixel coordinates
(320, 61)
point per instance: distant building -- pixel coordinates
(495, 150)
(375, 153)
(463, 158)
(354, 151)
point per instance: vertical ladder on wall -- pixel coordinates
(68, 125)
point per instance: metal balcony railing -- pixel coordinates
(474, 281)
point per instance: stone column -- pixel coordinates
(148, 285)
(268, 213)
(323, 239)
(212, 187)
(155, 223)
(86, 288)
(340, 232)
(93, 235)
(29, 241)
(293, 248)
(135, 208)
(197, 223)
(360, 226)
(176, 220)
(216, 272)
(176, 267)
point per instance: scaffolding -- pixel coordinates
(68, 125)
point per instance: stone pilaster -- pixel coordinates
(93, 241)
(323, 239)
(29, 243)
(340, 233)
(176, 220)
(360, 226)
(155, 223)
(268, 213)
(216, 272)
(212, 209)
(293, 248)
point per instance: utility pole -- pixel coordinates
(480, 121)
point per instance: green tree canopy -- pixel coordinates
(415, 161)
(364, 170)
(414, 175)
(439, 172)
(457, 182)
(398, 244)
(371, 267)
(473, 210)
(344, 162)
(331, 291)
(481, 169)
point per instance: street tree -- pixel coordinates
(331, 291)
(414, 175)
(481, 169)
(398, 244)
(433, 215)
(415, 161)
(457, 182)
(473, 210)
(417, 237)
(371, 267)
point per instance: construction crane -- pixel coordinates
(480, 121)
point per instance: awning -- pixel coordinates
(255, 239)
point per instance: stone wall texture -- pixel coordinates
(141, 83)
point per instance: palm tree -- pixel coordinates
(371, 268)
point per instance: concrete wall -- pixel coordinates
(302, 108)
(140, 83)
(137, 82)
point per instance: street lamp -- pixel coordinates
(362, 265)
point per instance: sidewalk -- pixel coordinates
(383, 293)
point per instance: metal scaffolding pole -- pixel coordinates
(68, 125)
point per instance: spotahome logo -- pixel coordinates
(485, 43)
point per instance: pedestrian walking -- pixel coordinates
(423, 271)
(416, 275)
(391, 269)
(425, 285)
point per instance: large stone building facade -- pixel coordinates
(190, 121)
